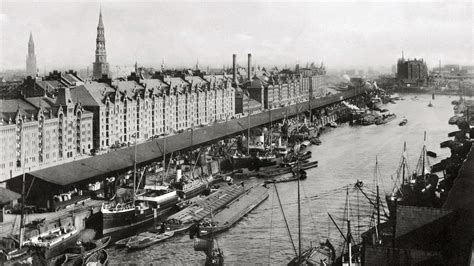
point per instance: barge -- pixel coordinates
(234, 211)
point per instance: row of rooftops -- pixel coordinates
(31, 109)
(59, 89)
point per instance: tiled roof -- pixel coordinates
(9, 109)
(40, 101)
(72, 79)
(91, 93)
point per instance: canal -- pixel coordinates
(347, 154)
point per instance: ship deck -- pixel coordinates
(212, 203)
(235, 210)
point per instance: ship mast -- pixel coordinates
(423, 154)
(164, 163)
(22, 217)
(349, 236)
(378, 195)
(134, 169)
(299, 211)
(248, 127)
(404, 162)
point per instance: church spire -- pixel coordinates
(101, 24)
(31, 45)
(100, 66)
(31, 58)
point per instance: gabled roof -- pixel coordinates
(156, 85)
(91, 93)
(10, 108)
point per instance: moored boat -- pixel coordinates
(53, 242)
(315, 141)
(453, 120)
(383, 119)
(57, 260)
(147, 239)
(13, 253)
(98, 258)
(324, 254)
(159, 197)
(415, 190)
(122, 219)
(73, 260)
(184, 219)
(234, 211)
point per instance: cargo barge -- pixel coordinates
(234, 211)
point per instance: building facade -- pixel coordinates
(39, 132)
(412, 72)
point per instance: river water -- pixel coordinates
(347, 154)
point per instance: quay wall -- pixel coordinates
(120, 160)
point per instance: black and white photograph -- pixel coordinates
(236, 132)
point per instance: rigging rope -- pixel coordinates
(309, 210)
(286, 222)
(271, 231)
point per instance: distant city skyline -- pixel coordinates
(342, 34)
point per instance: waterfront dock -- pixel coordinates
(236, 210)
(110, 163)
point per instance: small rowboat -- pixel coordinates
(58, 260)
(123, 242)
(99, 244)
(98, 258)
(87, 248)
(144, 240)
(307, 165)
(73, 260)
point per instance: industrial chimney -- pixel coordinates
(249, 66)
(234, 70)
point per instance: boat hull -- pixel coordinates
(122, 224)
(59, 248)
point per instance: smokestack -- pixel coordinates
(249, 66)
(234, 70)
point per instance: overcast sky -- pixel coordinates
(342, 34)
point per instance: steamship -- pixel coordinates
(122, 219)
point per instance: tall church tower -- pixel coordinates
(100, 66)
(31, 59)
